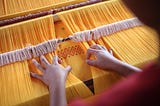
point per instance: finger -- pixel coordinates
(35, 75)
(96, 46)
(38, 65)
(44, 60)
(55, 60)
(91, 62)
(90, 52)
(68, 68)
(103, 47)
(111, 52)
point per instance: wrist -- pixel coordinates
(57, 94)
(57, 85)
(125, 69)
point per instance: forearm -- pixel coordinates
(58, 95)
(125, 68)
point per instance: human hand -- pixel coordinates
(104, 58)
(52, 74)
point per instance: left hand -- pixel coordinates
(52, 74)
(104, 58)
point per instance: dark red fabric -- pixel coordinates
(139, 89)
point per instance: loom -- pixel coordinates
(67, 28)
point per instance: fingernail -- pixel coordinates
(111, 51)
(31, 73)
(42, 57)
(33, 60)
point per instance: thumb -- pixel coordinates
(68, 68)
(35, 75)
(91, 62)
(90, 52)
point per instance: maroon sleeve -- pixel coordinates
(138, 89)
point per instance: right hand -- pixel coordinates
(104, 59)
(52, 74)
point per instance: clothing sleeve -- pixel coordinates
(138, 89)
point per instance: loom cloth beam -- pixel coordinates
(14, 18)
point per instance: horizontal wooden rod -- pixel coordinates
(37, 10)
(44, 13)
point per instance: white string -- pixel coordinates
(105, 30)
(51, 45)
(28, 52)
